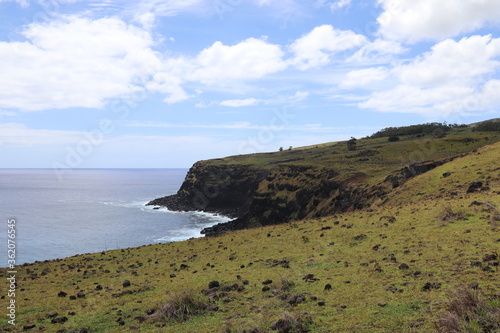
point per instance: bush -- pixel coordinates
(181, 306)
(469, 312)
(437, 130)
(393, 138)
(292, 323)
(490, 126)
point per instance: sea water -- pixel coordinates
(91, 210)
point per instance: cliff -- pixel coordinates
(316, 181)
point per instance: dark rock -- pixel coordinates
(172, 275)
(391, 289)
(62, 294)
(126, 283)
(382, 304)
(98, 287)
(52, 315)
(140, 319)
(404, 266)
(59, 320)
(474, 186)
(328, 287)
(266, 288)
(360, 237)
(80, 294)
(149, 312)
(266, 282)
(309, 278)
(28, 326)
(476, 264)
(213, 284)
(446, 174)
(321, 303)
(490, 257)
(431, 285)
(72, 297)
(184, 266)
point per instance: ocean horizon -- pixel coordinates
(92, 210)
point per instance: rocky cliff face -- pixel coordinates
(223, 189)
(257, 196)
(265, 196)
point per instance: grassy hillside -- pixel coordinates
(388, 268)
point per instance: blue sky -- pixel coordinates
(162, 84)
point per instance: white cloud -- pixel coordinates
(453, 78)
(450, 61)
(317, 48)
(74, 62)
(363, 77)
(414, 20)
(236, 103)
(248, 60)
(339, 4)
(378, 51)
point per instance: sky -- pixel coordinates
(163, 84)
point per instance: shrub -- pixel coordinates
(351, 144)
(469, 312)
(489, 126)
(450, 215)
(181, 306)
(393, 138)
(292, 323)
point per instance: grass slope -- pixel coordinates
(386, 269)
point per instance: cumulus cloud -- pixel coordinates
(454, 77)
(415, 20)
(317, 48)
(248, 60)
(450, 61)
(74, 62)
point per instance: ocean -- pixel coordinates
(91, 210)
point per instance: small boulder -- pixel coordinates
(126, 284)
(213, 284)
(59, 320)
(474, 186)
